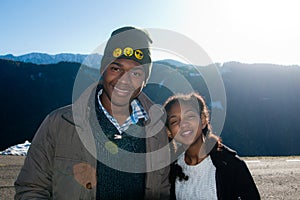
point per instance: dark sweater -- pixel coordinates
(113, 183)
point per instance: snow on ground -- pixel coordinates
(17, 150)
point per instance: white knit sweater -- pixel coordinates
(201, 184)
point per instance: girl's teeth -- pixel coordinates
(186, 132)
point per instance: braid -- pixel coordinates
(176, 171)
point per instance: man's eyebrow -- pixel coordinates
(139, 67)
(116, 63)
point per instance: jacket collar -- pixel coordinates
(84, 107)
(221, 156)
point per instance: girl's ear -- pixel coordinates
(203, 122)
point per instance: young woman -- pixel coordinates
(204, 168)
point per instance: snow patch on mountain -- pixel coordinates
(17, 150)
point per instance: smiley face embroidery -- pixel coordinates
(128, 51)
(117, 52)
(139, 54)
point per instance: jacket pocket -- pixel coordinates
(68, 152)
(73, 179)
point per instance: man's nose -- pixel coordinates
(125, 77)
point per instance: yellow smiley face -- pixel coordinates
(117, 52)
(139, 54)
(128, 51)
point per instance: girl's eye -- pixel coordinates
(191, 116)
(173, 122)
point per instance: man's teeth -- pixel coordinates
(120, 90)
(186, 133)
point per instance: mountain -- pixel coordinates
(92, 60)
(28, 93)
(171, 62)
(263, 108)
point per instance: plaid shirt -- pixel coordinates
(138, 112)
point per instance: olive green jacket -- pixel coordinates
(61, 161)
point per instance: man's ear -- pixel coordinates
(144, 85)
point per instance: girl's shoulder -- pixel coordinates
(222, 155)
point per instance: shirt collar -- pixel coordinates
(138, 112)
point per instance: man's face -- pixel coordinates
(123, 81)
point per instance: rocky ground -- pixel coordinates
(276, 177)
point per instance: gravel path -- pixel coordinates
(276, 177)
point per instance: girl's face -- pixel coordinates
(184, 123)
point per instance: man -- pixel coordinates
(110, 143)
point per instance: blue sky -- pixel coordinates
(251, 31)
